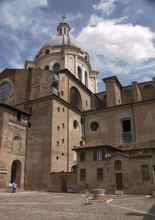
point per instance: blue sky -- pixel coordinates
(119, 35)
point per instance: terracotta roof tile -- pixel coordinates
(122, 147)
(137, 145)
(93, 145)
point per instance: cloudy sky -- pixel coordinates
(119, 35)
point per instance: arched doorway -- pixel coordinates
(16, 172)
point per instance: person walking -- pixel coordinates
(9, 187)
(14, 186)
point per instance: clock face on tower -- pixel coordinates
(5, 90)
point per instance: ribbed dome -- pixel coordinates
(60, 41)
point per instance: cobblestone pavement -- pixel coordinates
(66, 206)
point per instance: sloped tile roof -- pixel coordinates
(137, 145)
(94, 145)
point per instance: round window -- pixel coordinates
(47, 51)
(46, 67)
(94, 126)
(75, 124)
(5, 90)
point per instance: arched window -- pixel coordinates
(148, 92)
(56, 68)
(75, 98)
(46, 67)
(5, 90)
(60, 31)
(127, 96)
(79, 74)
(86, 79)
(118, 165)
(64, 30)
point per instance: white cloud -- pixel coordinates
(146, 79)
(139, 11)
(123, 41)
(15, 61)
(18, 14)
(94, 20)
(107, 6)
(74, 16)
(72, 30)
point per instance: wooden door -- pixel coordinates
(64, 184)
(119, 184)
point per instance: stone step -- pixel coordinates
(119, 192)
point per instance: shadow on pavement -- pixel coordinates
(149, 216)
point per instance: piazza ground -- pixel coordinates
(67, 206)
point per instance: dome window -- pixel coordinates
(47, 51)
(46, 67)
(56, 68)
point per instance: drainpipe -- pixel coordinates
(83, 126)
(134, 125)
(26, 151)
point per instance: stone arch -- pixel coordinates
(127, 96)
(16, 172)
(56, 68)
(16, 144)
(79, 74)
(148, 92)
(75, 98)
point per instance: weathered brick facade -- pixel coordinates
(52, 107)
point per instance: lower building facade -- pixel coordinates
(116, 171)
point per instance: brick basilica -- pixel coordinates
(57, 132)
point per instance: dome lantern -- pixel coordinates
(63, 28)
